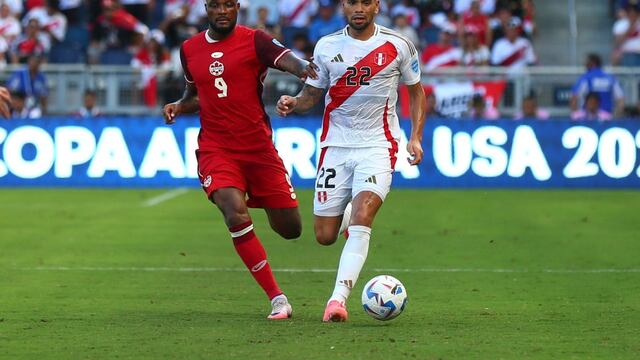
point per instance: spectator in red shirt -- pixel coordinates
(153, 56)
(474, 18)
(28, 44)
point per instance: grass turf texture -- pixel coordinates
(98, 309)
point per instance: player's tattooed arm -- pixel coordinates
(303, 102)
(298, 67)
(188, 104)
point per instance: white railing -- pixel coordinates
(119, 89)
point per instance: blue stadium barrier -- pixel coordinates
(142, 152)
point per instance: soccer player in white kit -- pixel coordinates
(361, 66)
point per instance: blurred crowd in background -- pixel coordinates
(147, 34)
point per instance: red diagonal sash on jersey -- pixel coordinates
(515, 56)
(340, 92)
(297, 11)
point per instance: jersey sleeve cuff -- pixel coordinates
(283, 53)
(187, 80)
(315, 83)
(412, 81)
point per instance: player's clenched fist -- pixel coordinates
(415, 151)
(170, 112)
(286, 105)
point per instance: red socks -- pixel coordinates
(252, 253)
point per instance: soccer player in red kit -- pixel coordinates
(238, 165)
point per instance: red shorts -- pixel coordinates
(262, 176)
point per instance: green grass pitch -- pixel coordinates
(95, 274)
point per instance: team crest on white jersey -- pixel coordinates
(216, 68)
(380, 59)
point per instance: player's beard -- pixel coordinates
(223, 30)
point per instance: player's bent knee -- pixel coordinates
(236, 218)
(290, 232)
(326, 239)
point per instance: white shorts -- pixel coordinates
(345, 172)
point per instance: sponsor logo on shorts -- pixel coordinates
(322, 197)
(257, 267)
(207, 181)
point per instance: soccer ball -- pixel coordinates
(384, 297)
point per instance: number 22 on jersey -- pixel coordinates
(221, 85)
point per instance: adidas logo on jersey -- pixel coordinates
(338, 58)
(371, 179)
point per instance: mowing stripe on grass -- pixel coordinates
(320, 270)
(164, 197)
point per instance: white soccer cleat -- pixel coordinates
(280, 308)
(346, 219)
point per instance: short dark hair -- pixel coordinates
(19, 95)
(594, 59)
(477, 100)
(592, 95)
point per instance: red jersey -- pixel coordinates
(229, 76)
(477, 23)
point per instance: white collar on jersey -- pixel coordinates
(345, 32)
(210, 40)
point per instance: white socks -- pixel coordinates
(352, 260)
(346, 218)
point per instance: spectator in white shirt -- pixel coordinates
(407, 9)
(473, 53)
(9, 25)
(295, 17)
(401, 25)
(627, 37)
(513, 51)
(52, 22)
(16, 6)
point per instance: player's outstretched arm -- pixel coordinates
(188, 104)
(298, 67)
(418, 108)
(303, 102)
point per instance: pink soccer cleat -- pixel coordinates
(280, 308)
(335, 312)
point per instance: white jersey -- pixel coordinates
(517, 54)
(631, 43)
(362, 79)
